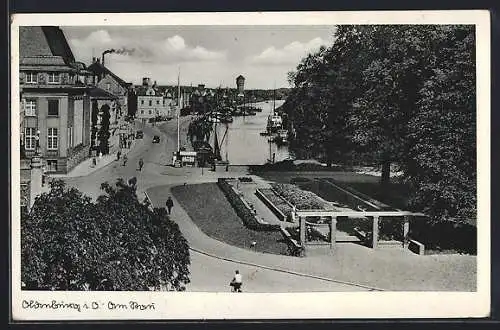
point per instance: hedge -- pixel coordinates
(246, 215)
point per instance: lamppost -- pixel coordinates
(36, 171)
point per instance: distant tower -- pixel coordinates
(240, 84)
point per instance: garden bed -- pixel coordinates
(210, 210)
(301, 199)
(275, 203)
(246, 214)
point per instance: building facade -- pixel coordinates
(151, 102)
(56, 93)
(55, 99)
(106, 80)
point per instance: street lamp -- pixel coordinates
(37, 142)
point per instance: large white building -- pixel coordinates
(151, 102)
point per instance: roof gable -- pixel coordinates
(44, 41)
(101, 70)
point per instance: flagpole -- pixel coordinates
(178, 110)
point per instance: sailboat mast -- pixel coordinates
(178, 110)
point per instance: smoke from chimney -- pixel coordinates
(121, 51)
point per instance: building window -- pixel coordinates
(29, 138)
(150, 112)
(157, 101)
(150, 103)
(142, 112)
(142, 102)
(31, 77)
(52, 139)
(53, 108)
(108, 86)
(30, 107)
(53, 78)
(51, 165)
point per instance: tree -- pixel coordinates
(441, 160)
(395, 94)
(69, 242)
(103, 134)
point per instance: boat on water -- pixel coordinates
(274, 123)
(281, 137)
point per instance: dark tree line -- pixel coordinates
(400, 95)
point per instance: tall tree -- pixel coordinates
(441, 161)
(69, 242)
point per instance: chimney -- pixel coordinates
(145, 81)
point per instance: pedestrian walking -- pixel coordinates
(125, 158)
(141, 164)
(94, 162)
(237, 282)
(100, 155)
(118, 155)
(170, 204)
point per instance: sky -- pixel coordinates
(210, 55)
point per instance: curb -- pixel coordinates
(276, 269)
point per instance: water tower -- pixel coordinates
(240, 84)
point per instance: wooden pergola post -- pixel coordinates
(375, 231)
(406, 231)
(302, 223)
(333, 232)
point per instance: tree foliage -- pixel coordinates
(401, 95)
(69, 242)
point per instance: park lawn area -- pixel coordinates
(209, 209)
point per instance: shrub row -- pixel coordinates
(246, 215)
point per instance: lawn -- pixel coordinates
(209, 209)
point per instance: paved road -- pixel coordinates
(210, 274)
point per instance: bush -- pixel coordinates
(69, 242)
(444, 235)
(246, 215)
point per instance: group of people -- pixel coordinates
(125, 160)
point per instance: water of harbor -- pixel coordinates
(243, 142)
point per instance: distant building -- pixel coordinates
(240, 85)
(151, 102)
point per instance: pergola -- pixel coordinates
(375, 215)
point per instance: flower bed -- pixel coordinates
(275, 203)
(302, 199)
(246, 215)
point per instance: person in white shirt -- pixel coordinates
(236, 282)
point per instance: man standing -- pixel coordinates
(170, 204)
(236, 282)
(141, 164)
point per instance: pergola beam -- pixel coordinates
(317, 213)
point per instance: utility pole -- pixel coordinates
(178, 110)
